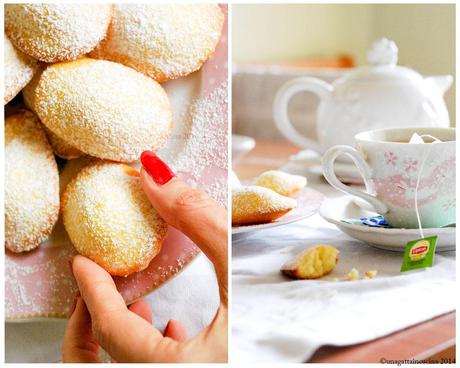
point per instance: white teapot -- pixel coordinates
(381, 95)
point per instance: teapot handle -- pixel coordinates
(280, 107)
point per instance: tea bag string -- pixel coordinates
(435, 140)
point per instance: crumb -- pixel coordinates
(353, 275)
(370, 274)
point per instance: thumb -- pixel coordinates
(191, 211)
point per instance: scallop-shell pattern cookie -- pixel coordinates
(56, 32)
(19, 70)
(31, 183)
(104, 109)
(163, 41)
(282, 183)
(110, 220)
(258, 205)
(60, 146)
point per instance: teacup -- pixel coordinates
(392, 169)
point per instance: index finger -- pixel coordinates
(198, 216)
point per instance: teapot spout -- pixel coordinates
(442, 82)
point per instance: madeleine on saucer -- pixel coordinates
(282, 183)
(258, 205)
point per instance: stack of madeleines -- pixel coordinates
(267, 200)
(90, 79)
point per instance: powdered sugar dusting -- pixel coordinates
(204, 144)
(45, 291)
(104, 109)
(163, 41)
(19, 70)
(110, 220)
(24, 283)
(254, 199)
(31, 183)
(56, 32)
(281, 182)
(59, 145)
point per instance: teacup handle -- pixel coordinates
(366, 172)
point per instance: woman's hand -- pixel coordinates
(101, 317)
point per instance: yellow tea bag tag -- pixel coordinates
(419, 253)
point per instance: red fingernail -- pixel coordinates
(157, 169)
(167, 327)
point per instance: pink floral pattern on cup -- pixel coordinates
(410, 165)
(398, 189)
(391, 158)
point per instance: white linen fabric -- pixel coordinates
(277, 319)
(191, 297)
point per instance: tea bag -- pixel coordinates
(416, 138)
(419, 253)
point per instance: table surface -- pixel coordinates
(433, 339)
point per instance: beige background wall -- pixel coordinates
(424, 33)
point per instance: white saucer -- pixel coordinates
(308, 203)
(335, 209)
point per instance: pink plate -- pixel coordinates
(39, 284)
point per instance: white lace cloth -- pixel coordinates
(276, 319)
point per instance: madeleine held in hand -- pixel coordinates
(312, 263)
(101, 318)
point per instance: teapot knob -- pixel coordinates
(383, 52)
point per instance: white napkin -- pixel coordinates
(276, 319)
(191, 297)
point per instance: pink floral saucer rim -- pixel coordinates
(36, 317)
(177, 252)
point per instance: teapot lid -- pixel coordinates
(383, 58)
